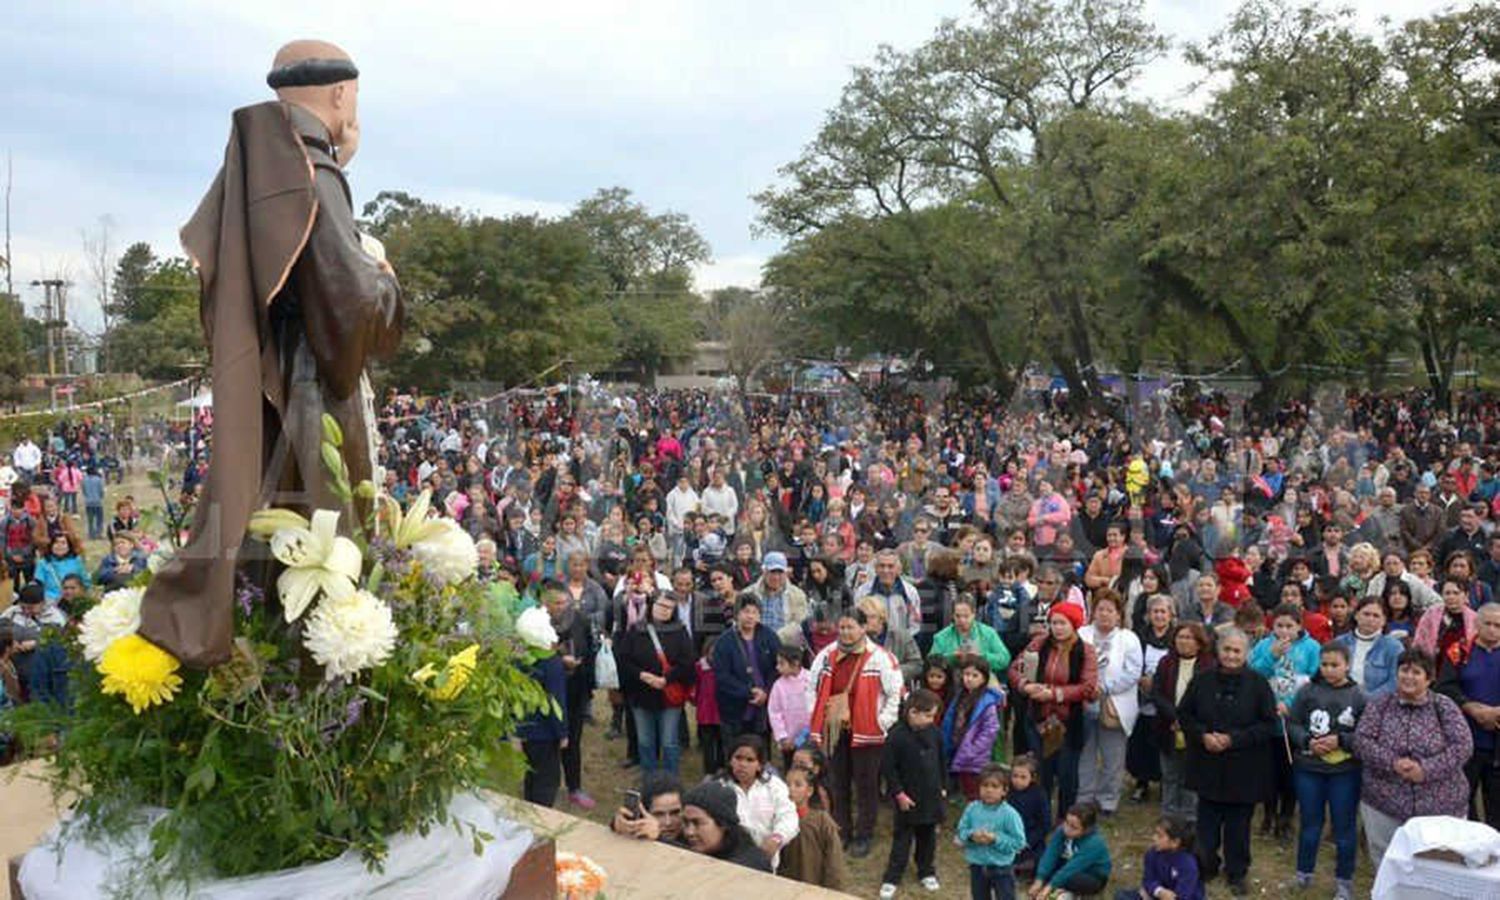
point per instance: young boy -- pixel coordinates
(1028, 799)
(992, 835)
(912, 765)
(544, 736)
(787, 708)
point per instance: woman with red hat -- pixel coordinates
(1054, 678)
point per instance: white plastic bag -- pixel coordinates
(606, 673)
(441, 864)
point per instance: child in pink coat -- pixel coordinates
(787, 707)
(706, 705)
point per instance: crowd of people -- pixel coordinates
(1017, 618)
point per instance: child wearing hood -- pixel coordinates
(972, 723)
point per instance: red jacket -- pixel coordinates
(874, 701)
(1234, 581)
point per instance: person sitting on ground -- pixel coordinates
(711, 826)
(124, 562)
(1170, 871)
(61, 561)
(661, 798)
(1076, 860)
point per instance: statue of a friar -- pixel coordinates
(295, 302)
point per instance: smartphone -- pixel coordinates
(634, 808)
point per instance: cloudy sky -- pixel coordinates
(121, 110)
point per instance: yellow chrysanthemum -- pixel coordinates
(456, 674)
(142, 672)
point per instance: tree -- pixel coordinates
(966, 122)
(753, 327)
(490, 299)
(13, 355)
(99, 250)
(645, 261)
(159, 332)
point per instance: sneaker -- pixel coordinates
(613, 734)
(1239, 888)
(859, 848)
(930, 884)
(1304, 880)
(1140, 793)
(887, 891)
(629, 763)
(1343, 889)
(582, 800)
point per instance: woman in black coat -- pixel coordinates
(656, 663)
(1228, 719)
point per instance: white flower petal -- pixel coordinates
(534, 626)
(325, 528)
(350, 634)
(334, 585)
(297, 588)
(292, 546)
(343, 558)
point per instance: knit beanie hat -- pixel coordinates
(716, 800)
(1070, 611)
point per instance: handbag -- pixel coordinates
(1109, 716)
(836, 709)
(1053, 733)
(673, 692)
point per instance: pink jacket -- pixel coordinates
(1431, 623)
(1049, 515)
(68, 478)
(787, 706)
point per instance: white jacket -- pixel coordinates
(679, 504)
(766, 809)
(1120, 678)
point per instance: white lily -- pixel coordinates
(414, 527)
(444, 549)
(318, 561)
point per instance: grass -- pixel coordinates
(1128, 833)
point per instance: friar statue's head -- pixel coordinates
(321, 78)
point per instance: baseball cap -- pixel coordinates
(774, 561)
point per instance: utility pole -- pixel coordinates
(10, 289)
(55, 319)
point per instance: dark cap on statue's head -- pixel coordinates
(312, 73)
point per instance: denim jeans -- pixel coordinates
(656, 729)
(992, 882)
(96, 521)
(1339, 792)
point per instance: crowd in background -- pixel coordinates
(1190, 601)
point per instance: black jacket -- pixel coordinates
(636, 654)
(912, 762)
(1241, 705)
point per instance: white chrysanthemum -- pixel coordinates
(117, 615)
(447, 552)
(349, 634)
(534, 627)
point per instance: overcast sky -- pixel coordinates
(122, 110)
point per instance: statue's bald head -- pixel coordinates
(320, 77)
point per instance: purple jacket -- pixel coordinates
(973, 751)
(1432, 732)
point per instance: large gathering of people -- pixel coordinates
(878, 604)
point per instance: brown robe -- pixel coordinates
(292, 308)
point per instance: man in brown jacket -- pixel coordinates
(1421, 521)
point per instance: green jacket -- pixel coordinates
(1090, 857)
(947, 644)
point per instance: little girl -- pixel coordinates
(935, 679)
(971, 724)
(1028, 799)
(815, 855)
(706, 705)
(811, 760)
(1170, 865)
(787, 708)
(1076, 860)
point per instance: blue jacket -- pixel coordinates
(1089, 856)
(544, 726)
(112, 574)
(732, 681)
(1379, 676)
(51, 572)
(1176, 871)
(1288, 674)
(1000, 820)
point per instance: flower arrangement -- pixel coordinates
(579, 878)
(380, 681)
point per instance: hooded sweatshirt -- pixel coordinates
(1321, 709)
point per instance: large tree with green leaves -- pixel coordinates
(490, 299)
(156, 331)
(645, 261)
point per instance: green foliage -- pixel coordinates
(13, 355)
(995, 196)
(490, 299)
(158, 331)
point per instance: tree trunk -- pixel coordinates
(1006, 377)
